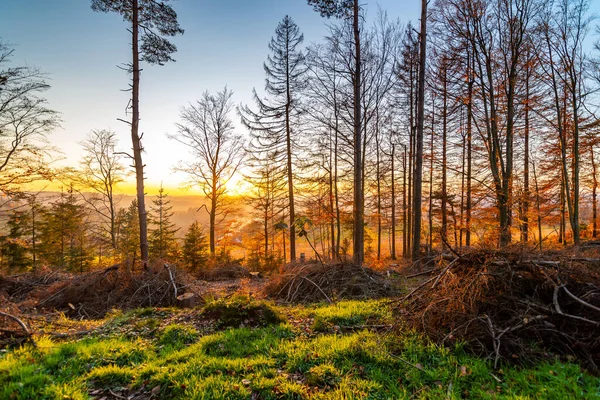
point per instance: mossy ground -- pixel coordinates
(322, 352)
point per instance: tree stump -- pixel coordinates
(187, 300)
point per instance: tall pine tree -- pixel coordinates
(271, 125)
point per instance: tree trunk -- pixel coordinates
(575, 151)
(266, 228)
(393, 233)
(33, 236)
(135, 138)
(562, 230)
(594, 194)
(444, 230)
(462, 186)
(332, 252)
(359, 228)
(338, 235)
(470, 63)
(411, 147)
(213, 217)
(431, 157)
(404, 208)
(418, 174)
(378, 174)
(526, 195)
(290, 175)
(538, 207)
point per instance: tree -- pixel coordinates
(128, 232)
(64, 234)
(324, 97)
(418, 172)
(194, 247)
(208, 131)
(157, 21)
(25, 122)
(101, 171)
(564, 32)
(163, 242)
(15, 247)
(267, 196)
(285, 69)
(350, 9)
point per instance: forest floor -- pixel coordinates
(346, 350)
(237, 345)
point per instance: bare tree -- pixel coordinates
(350, 9)
(418, 172)
(25, 122)
(564, 30)
(100, 172)
(267, 196)
(207, 129)
(156, 20)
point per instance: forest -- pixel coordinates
(402, 210)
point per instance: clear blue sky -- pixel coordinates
(225, 43)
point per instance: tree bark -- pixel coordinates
(594, 193)
(526, 194)
(405, 235)
(444, 230)
(359, 228)
(378, 174)
(418, 174)
(393, 233)
(135, 137)
(470, 69)
(290, 175)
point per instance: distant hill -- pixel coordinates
(186, 208)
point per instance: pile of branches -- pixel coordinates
(93, 294)
(13, 331)
(19, 286)
(514, 305)
(312, 282)
(225, 271)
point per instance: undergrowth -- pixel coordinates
(320, 352)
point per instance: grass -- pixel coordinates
(319, 352)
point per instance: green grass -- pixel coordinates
(273, 361)
(241, 311)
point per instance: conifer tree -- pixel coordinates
(128, 231)
(195, 250)
(64, 234)
(163, 240)
(271, 125)
(152, 22)
(15, 248)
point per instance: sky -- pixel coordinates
(225, 43)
